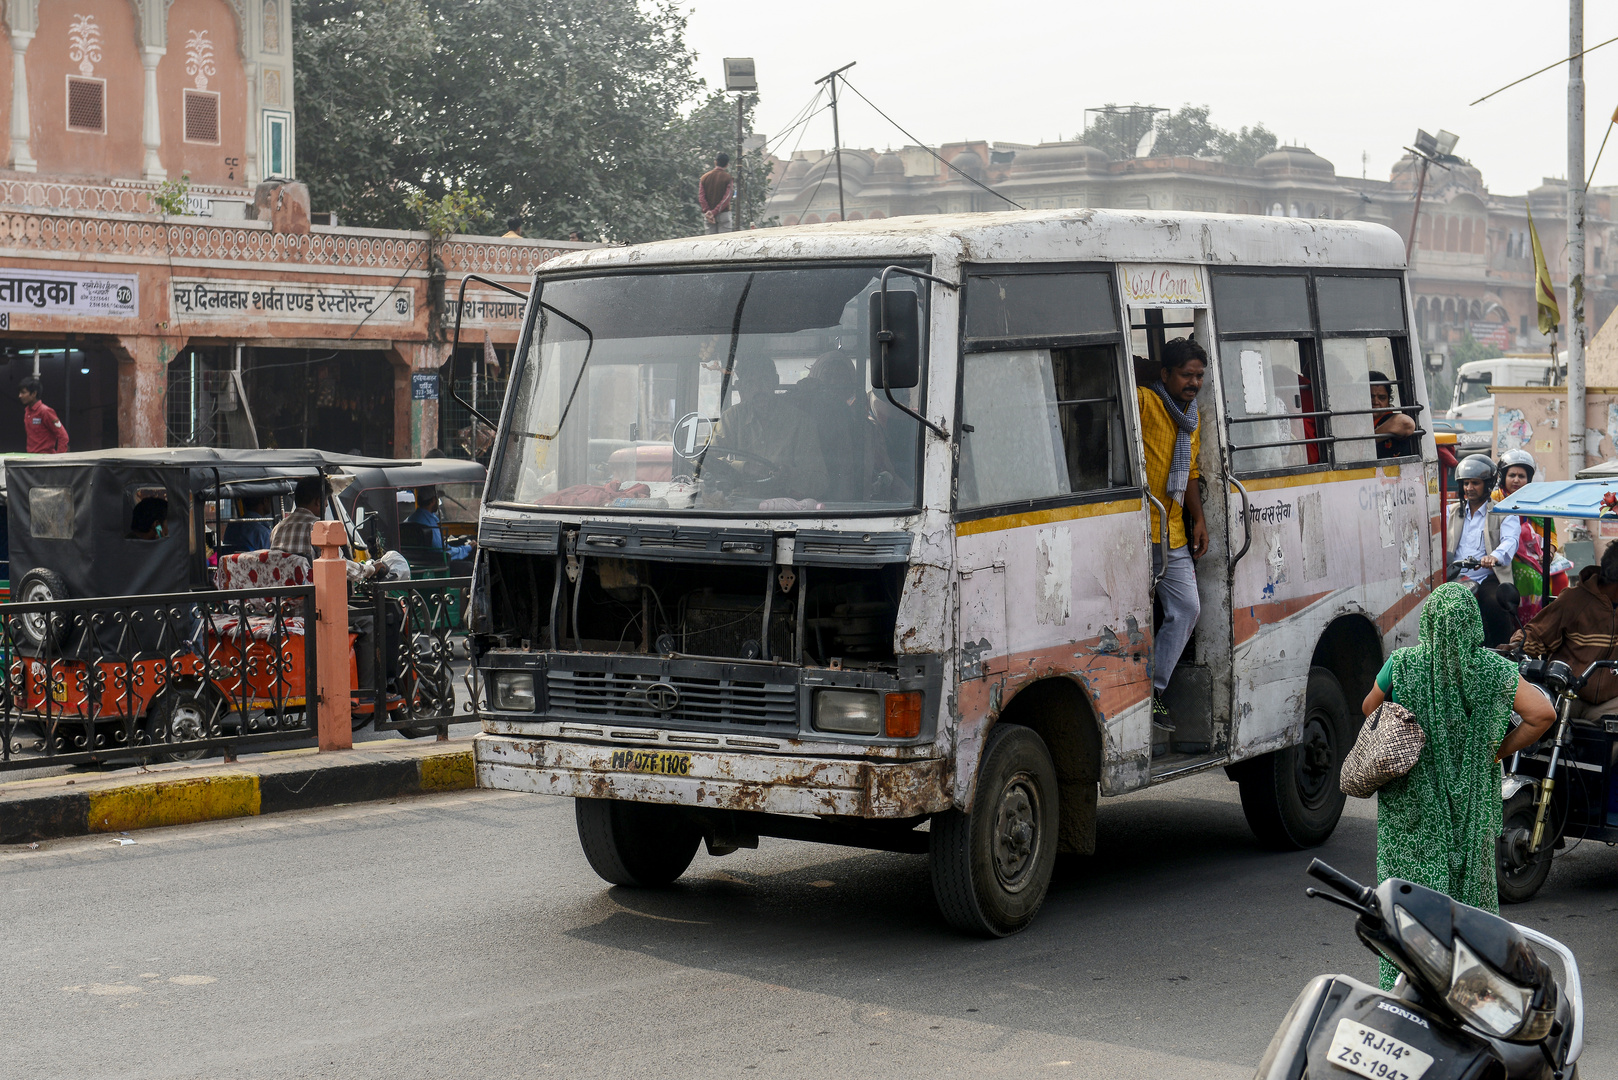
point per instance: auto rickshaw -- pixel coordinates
(126, 640)
(1566, 786)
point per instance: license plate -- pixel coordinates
(652, 761)
(1375, 1054)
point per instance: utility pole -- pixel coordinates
(1575, 240)
(836, 136)
(741, 78)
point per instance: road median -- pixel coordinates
(184, 793)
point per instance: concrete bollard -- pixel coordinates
(335, 727)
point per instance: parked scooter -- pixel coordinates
(1475, 999)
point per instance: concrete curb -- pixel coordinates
(181, 794)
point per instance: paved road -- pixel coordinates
(464, 935)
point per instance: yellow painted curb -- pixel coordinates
(448, 772)
(173, 802)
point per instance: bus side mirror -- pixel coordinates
(895, 353)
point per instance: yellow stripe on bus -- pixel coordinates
(1045, 517)
(1310, 479)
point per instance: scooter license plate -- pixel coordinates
(1368, 1052)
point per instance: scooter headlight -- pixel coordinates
(1430, 954)
(1484, 998)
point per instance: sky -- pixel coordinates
(1345, 79)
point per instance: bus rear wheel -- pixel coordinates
(642, 845)
(991, 868)
(1290, 797)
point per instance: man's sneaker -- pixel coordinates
(1160, 713)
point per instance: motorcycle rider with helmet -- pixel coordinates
(1492, 541)
(1518, 468)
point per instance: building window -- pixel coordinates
(277, 152)
(202, 116)
(1522, 325)
(86, 104)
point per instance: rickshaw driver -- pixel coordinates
(1580, 627)
(1172, 438)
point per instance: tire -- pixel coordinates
(38, 630)
(992, 867)
(1290, 797)
(183, 714)
(1519, 876)
(641, 845)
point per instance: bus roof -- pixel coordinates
(1034, 236)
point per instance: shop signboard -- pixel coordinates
(219, 300)
(489, 309)
(1492, 333)
(424, 386)
(53, 292)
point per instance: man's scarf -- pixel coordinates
(1186, 421)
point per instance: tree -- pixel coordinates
(567, 113)
(1185, 132)
(710, 129)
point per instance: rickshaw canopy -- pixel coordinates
(1563, 498)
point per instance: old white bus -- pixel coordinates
(839, 533)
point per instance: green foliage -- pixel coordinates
(1185, 132)
(566, 113)
(1468, 349)
(708, 130)
(453, 212)
(169, 198)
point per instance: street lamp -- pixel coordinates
(1429, 148)
(740, 79)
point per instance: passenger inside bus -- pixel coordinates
(832, 395)
(1399, 426)
(764, 441)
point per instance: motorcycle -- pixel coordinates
(1558, 787)
(1474, 999)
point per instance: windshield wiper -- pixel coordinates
(730, 365)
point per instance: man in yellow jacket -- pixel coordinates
(1173, 438)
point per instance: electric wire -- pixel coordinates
(1531, 74)
(929, 149)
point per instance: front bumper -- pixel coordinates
(767, 783)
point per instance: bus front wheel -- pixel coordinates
(992, 867)
(1290, 797)
(642, 845)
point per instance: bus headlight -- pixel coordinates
(848, 712)
(514, 690)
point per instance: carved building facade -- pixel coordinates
(227, 315)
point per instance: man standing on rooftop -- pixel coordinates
(714, 193)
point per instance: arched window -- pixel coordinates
(834, 216)
(1278, 211)
(1427, 232)
(1477, 311)
(1449, 311)
(1466, 235)
(791, 219)
(855, 215)
(1454, 241)
(1309, 210)
(875, 214)
(811, 219)
(1478, 234)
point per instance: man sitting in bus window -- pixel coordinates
(1173, 439)
(1399, 426)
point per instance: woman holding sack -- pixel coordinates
(1437, 823)
(1517, 468)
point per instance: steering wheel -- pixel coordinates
(750, 469)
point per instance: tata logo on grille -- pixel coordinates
(662, 697)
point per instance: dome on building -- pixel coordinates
(889, 165)
(968, 162)
(797, 169)
(1295, 159)
(1062, 155)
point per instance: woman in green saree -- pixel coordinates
(1437, 825)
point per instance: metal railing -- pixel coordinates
(414, 625)
(165, 677)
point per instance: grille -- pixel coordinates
(201, 116)
(86, 105)
(604, 694)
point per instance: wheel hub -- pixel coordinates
(187, 724)
(1016, 833)
(1316, 758)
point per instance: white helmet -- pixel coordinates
(1521, 458)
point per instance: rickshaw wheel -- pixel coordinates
(1519, 875)
(38, 629)
(182, 714)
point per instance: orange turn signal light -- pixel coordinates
(903, 715)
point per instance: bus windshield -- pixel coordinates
(731, 391)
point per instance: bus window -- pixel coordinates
(1267, 370)
(1044, 423)
(1362, 326)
